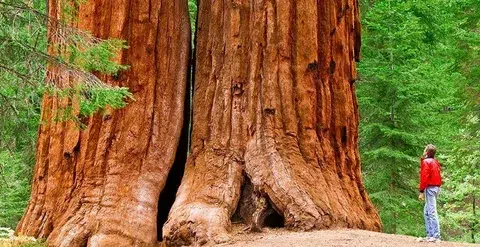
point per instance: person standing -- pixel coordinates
(430, 182)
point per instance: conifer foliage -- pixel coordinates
(417, 86)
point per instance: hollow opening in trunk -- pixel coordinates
(169, 192)
(274, 220)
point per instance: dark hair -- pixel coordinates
(431, 150)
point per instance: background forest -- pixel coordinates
(417, 84)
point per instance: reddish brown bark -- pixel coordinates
(101, 186)
(274, 98)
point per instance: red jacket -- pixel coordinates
(429, 173)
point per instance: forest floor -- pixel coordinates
(279, 237)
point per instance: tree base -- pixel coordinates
(306, 196)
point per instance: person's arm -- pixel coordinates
(424, 173)
(422, 185)
(423, 176)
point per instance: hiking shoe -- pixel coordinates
(433, 240)
(421, 240)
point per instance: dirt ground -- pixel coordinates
(279, 237)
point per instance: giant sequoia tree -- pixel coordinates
(275, 126)
(274, 105)
(100, 186)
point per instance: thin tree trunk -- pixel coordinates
(475, 221)
(100, 186)
(274, 103)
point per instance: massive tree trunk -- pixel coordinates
(274, 105)
(275, 126)
(101, 186)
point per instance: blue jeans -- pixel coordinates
(432, 224)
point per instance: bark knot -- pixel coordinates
(313, 66)
(269, 111)
(332, 67)
(237, 88)
(344, 134)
